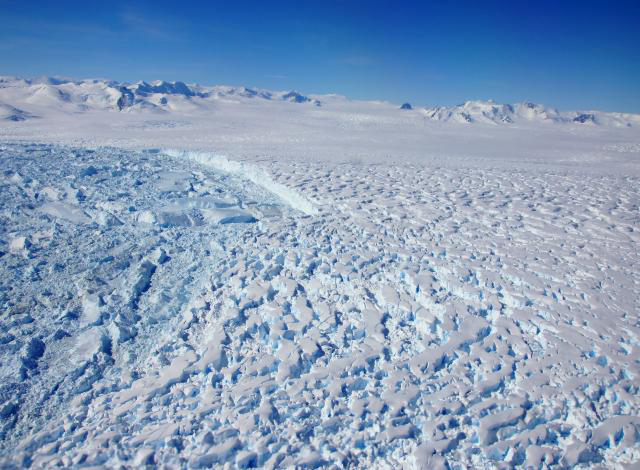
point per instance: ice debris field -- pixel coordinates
(197, 277)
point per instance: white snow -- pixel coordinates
(252, 173)
(224, 276)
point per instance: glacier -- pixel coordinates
(197, 277)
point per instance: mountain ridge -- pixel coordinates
(18, 95)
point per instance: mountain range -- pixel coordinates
(25, 99)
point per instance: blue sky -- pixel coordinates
(570, 54)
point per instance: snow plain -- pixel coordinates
(201, 277)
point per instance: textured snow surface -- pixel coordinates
(423, 316)
(294, 286)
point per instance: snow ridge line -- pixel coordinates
(251, 172)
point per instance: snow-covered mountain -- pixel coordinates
(11, 113)
(86, 95)
(496, 113)
(23, 99)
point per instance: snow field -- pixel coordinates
(308, 282)
(101, 251)
(424, 317)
